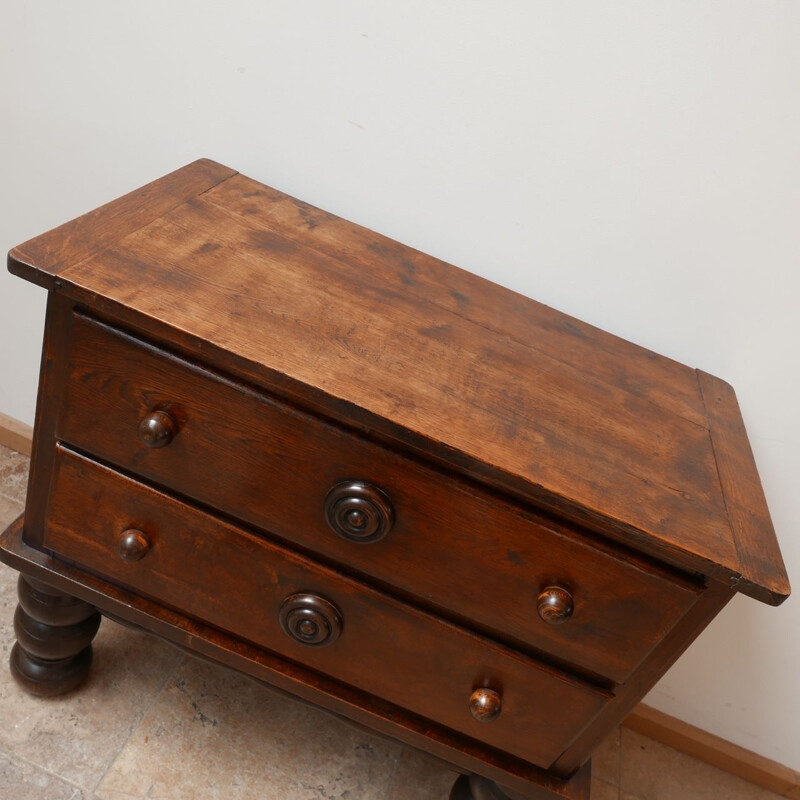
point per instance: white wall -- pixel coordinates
(632, 163)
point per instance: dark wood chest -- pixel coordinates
(371, 479)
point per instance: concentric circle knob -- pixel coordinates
(133, 545)
(158, 429)
(485, 705)
(310, 619)
(359, 511)
(555, 605)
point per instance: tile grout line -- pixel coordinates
(156, 697)
(10, 498)
(393, 776)
(12, 756)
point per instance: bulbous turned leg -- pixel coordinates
(473, 787)
(54, 631)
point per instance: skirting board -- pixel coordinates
(715, 751)
(645, 720)
(16, 435)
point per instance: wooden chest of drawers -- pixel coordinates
(383, 484)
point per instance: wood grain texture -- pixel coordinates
(515, 776)
(511, 393)
(218, 356)
(453, 546)
(711, 602)
(386, 648)
(53, 651)
(355, 251)
(52, 371)
(763, 574)
(575, 445)
(44, 257)
(711, 749)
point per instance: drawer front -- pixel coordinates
(189, 560)
(273, 467)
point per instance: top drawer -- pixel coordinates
(273, 466)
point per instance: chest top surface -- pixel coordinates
(402, 346)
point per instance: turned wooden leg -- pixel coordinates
(473, 787)
(54, 631)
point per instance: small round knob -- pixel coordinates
(359, 511)
(310, 619)
(555, 605)
(485, 705)
(158, 429)
(133, 545)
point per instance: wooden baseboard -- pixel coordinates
(645, 720)
(16, 435)
(715, 751)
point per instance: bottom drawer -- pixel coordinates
(281, 601)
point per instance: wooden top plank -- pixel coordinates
(40, 259)
(763, 571)
(640, 371)
(495, 400)
(513, 393)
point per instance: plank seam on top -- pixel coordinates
(607, 514)
(747, 570)
(18, 257)
(479, 406)
(265, 225)
(619, 530)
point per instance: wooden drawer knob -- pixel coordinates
(133, 545)
(485, 705)
(158, 429)
(359, 511)
(310, 619)
(555, 605)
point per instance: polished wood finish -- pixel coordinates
(158, 429)
(710, 603)
(555, 605)
(41, 259)
(133, 545)
(310, 619)
(375, 481)
(272, 465)
(53, 651)
(760, 556)
(521, 780)
(52, 376)
(597, 441)
(359, 512)
(434, 665)
(485, 705)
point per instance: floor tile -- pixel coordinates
(214, 734)
(420, 777)
(653, 771)
(605, 761)
(22, 781)
(13, 474)
(604, 791)
(78, 736)
(9, 510)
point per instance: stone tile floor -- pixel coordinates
(154, 724)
